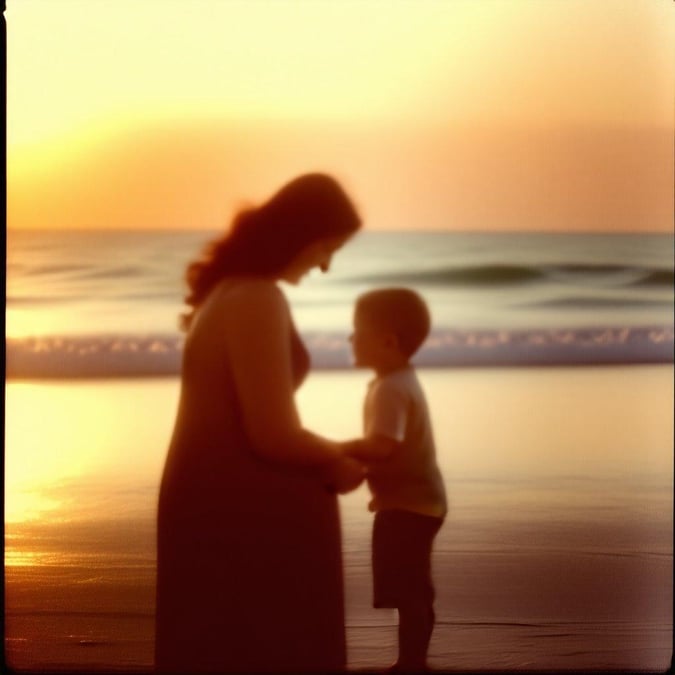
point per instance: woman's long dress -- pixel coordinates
(249, 568)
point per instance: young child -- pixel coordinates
(408, 495)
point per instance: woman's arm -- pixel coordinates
(257, 334)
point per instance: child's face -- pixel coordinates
(369, 342)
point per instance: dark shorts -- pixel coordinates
(401, 550)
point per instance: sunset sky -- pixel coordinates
(446, 114)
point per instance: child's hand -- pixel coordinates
(353, 448)
(345, 474)
(370, 449)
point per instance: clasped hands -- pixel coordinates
(346, 473)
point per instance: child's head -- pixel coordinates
(390, 325)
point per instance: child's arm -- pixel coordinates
(372, 448)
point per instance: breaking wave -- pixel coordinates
(502, 274)
(160, 355)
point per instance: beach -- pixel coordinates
(510, 162)
(556, 553)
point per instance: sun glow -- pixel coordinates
(162, 113)
(241, 58)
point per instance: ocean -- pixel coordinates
(107, 303)
(557, 553)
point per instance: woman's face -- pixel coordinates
(318, 254)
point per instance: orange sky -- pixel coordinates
(455, 114)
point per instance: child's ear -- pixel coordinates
(391, 341)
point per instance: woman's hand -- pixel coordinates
(344, 474)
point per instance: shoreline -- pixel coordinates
(91, 377)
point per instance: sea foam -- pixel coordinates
(160, 355)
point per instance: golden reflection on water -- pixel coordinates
(16, 558)
(533, 425)
(56, 432)
(40, 447)
(517, 423)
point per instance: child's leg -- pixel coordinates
(415, 626)
(416, 607)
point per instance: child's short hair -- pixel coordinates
(400, 311)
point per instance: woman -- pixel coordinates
(249, 568)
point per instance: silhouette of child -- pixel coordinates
(408, 495)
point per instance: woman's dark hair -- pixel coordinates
(264, 240)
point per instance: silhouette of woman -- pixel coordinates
(249, 567)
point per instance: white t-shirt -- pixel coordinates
(409, 478)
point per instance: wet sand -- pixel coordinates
(538, 596)
(553, 556)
